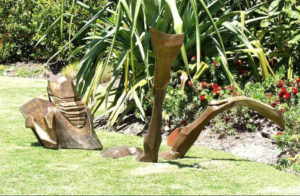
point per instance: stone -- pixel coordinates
(121, 151)
(8, 72)
(266, 135)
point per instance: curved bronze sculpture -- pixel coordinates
(63, 121)
(166, 48)
(188, 134)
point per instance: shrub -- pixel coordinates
(23, 22)
(2, 67)
(32, 72)
(70, 70)
(279, 33)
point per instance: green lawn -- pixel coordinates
(27, 168)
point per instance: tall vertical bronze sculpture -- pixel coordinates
(189, 134)
(166, 48)
(63, 121)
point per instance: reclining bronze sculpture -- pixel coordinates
(63, 121)
(188, 134)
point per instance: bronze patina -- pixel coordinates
(166, 48)
(63, 121)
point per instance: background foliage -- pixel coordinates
(23, 22)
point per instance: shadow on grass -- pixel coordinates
(180, 165)
(219, 159)
(36, 144)
(183, 165)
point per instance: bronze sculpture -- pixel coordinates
(188, 134)
(63, 121)
(166, 48)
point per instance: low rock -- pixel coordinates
(266, 135)
(121, 151)
(8, 72)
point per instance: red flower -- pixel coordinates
(283, 91)
(286, 95)
(235, 94)
(281, 83)
(183, 123)
(294, 90)
(190, 83)
(215, 63)
(194, 58)
(203, 84)
(202, 97)
(242, 71)
(231, 88)
(279, 133)
(216, 90)
(298, 80)
(238, 63)
(275, 103)
(214, 85)
(226, 119)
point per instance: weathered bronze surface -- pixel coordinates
(63, 121)
(166, 48)
(190, 133)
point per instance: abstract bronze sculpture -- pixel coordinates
(63, 121)
(166, 48)
(188, 134)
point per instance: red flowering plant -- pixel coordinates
(187, 105)
(283, 95)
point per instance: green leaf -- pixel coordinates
(87, 25)
(178, 27)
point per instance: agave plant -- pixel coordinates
(124, 43)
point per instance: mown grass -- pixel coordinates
(27, 168)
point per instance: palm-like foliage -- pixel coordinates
(207, 26)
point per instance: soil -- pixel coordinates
(255, 146)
